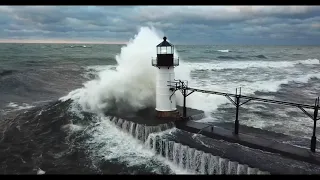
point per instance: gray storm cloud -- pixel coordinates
(206, 24)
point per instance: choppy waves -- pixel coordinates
(218, 65)
(73, 137)
(6, 72)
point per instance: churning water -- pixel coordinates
(41, 134)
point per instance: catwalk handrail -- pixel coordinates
(183, 87)
(252, 98)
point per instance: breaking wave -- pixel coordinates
(131, 86)
(250, 64)
(224, 50)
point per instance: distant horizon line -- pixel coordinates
(55, 41)
(26, 41)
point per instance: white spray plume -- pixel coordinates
(132, 86)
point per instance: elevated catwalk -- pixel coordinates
(206, 148)
(237, 153)
(152, 131)
(249, 147)
(258, 139)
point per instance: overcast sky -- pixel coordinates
(182, 24)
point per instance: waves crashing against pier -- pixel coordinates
(188, 158)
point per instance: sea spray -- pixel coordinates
(131, 86)
(113, 97)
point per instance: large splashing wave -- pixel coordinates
(131, 86)
(127, 86)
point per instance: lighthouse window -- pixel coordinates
(165, 50)
(162, 50)
(169, 50)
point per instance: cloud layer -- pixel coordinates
(183, 24)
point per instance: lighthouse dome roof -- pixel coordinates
(164, 43)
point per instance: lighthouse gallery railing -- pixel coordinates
(154, 61)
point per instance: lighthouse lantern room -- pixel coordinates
(165, 97)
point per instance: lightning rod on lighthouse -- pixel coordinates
(165, 63)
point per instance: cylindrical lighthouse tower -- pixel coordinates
(165, 97)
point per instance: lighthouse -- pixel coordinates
(165, 96)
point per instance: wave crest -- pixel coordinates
(224, 50)
(131, 86)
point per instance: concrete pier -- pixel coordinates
(251, 141)
(248, 147)
(148, 116)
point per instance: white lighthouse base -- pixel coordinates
(165, 98)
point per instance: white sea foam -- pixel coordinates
(40, 172)
(109, 143)
(132, 85)
(15, 106)
(219, 65)
(224, 50)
